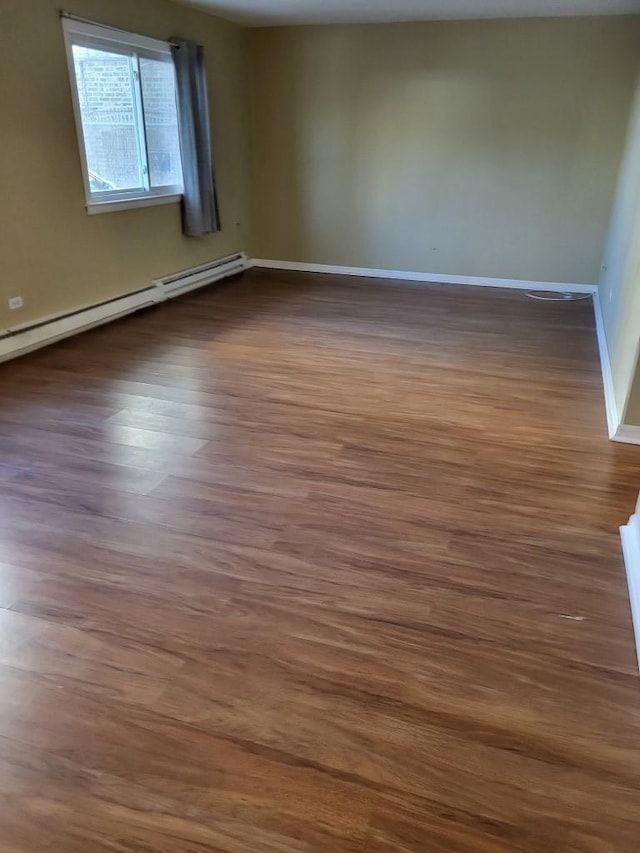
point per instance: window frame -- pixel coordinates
(135, 46)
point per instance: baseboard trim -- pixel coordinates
(613, 417)
(23, 339)
(616, 429)
(431, 278)
(630, 536)
(627, 434)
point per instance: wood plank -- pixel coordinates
(308, 563)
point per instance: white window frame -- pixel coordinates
(84, 34)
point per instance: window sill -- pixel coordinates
(96, 207)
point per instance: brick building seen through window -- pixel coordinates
(112, 115)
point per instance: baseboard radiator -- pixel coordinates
(183, 282)
(23, 339)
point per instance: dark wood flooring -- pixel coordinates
(308, 564)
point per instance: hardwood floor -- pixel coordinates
(305, 563)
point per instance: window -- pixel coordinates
(124, 94)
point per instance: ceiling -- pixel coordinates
(281, 12)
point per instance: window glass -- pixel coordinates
(105, 83)
(125, 103)
(161, 121)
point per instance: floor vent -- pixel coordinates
(183, 282)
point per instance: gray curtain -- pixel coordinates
(200, 204)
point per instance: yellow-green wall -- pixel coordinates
(620, 284)
(53, 254)
(482, 148)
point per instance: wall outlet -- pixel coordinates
(15, 302)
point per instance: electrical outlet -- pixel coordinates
(15, 302)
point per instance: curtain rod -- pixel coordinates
(80, 20)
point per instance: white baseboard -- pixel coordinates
(617, 430)
(432, 278)
(22, 339)
(630, 536)
(613, 416)
(627, 434)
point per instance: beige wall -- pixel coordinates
(53, 254)
(477, 148)
(620, 285)
(474, 148)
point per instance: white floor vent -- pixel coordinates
(183, 282)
